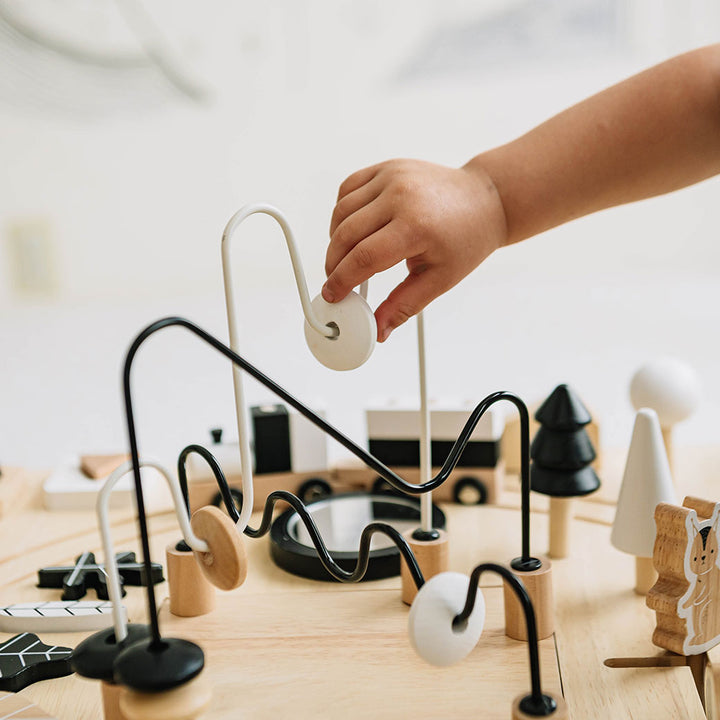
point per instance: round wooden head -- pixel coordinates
(225, 564)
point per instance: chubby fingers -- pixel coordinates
(380, 251)
(411, 296)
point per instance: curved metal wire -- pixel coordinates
(522, 563)
(535, 704)
(317, 540)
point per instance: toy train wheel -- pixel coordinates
(314, 489)
(470, 491)
(382, 487)
(237, 497)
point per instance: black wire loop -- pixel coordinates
(299, 507)
(536, 704)
(525, 562)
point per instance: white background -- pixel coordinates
(134, 184)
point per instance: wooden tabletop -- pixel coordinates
(280, 644)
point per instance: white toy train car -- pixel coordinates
(290, 453)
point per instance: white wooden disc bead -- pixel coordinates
(357, 332)
(437, 602)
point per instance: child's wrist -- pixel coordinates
(491, 197)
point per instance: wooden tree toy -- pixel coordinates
(646, 483)
(671, 388)
(686, 597)
(562, 453)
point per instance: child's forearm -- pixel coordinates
(653, 133)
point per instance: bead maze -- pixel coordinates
(267, 643)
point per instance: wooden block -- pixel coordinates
(190, 592)
(111, 701)
(538, 584)
(561, 712)
(100, 466)
(686, 597)
(186, 702)
(18, 707)
(432, 557)
(225, 564)
(711, 683)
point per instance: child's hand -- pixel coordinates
(444, 222)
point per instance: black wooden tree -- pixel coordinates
(561, 453)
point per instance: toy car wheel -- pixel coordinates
(237, 496)
(470, 491)
(383, 487)
(314, 489)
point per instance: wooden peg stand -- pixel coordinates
(190, 592)
(188, 702)
(111, 701)
(538, 584)
(432, 557)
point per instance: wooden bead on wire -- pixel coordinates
(225, 564)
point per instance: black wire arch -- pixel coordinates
(282, 495)
(536, 704)
(525, 562)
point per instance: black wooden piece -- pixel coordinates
(87, 573)
(561, 451)
(24, 660)
(95, 656)
(271, 433)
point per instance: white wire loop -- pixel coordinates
(102, 508)
(240, 406)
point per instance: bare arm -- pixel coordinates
(653, 133)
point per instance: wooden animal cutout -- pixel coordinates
(686, 597)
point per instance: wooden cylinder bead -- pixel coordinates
(225, 563)
(190, 592)
(645, 575)
(561, 711)
(561, 511)
(111, 701)
(187, 702)
(538, 584)
(431, 556)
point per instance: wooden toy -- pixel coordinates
(671, 388)
(432, 558)
(187, 702)
(56, 616)
(562, 453)
(447, 619)
(538, 584)
(19, 707)
(100, 466)
(87, 573)
(25, 659)
(224, 563)
(510, 443)
(646, 483)
(190, 592)
(686, 597)
(68, 488)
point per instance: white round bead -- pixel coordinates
(357, 332)
(438, 601)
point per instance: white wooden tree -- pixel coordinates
(647, 481)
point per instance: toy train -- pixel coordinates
(290, 453)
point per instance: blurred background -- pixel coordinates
(131, 130)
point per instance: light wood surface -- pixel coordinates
(281, 645)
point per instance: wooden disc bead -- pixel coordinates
(186, 702)
(431, 556)
(561, 712)
(538, 584)
(225, 564)
(190, 592)
(111, 701)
